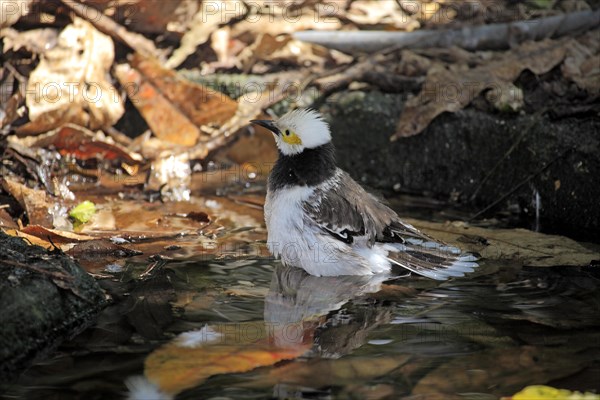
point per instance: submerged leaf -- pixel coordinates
(504, 367)
(540, 392)
(521, 246)
(181, 364)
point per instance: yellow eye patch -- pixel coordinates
(290, 137)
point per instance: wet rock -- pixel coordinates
(45, 297)
(466, 157)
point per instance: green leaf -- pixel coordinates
(83, 212)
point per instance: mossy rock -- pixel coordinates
(45, 298)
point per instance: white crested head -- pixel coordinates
(300, 129)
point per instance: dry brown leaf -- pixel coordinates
(57, 236)
(12, 10)
(276, 21)
(70, 83)
(84, 145)
(212, 14)
(451, 91)
(504, 367)
(264, 46)
(31, 200)
(6, 220)
(34, 240)
(165, 101)
(382, 13)
(203, 106)
(143, 16)
(34, 40)
(581, 63)
(11, 107)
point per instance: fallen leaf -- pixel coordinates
(451, 90)
(264, 46)
(147, 17)
(209, 106)
(163, 99)
(540, 392)
(504, 367)
(33, 201)
(12, 10)
(520, 246)
(55, 235)
(70, 83)
(211, 15)
(107, 25)
(34, 240)
(12, 107)
(581, 63)
(83, 144)
(34, 40)
(371, 13)
(83, 211)
(176, 366)
(6, 220)
(319, 373)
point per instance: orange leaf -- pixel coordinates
(173, 107)
(175, 367)
(57, 236)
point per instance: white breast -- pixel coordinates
(284, 217)
(300, 242)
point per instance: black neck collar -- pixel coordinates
(309, 168)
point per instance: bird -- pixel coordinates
(320, 219)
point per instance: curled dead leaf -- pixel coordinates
(33, 201)
(70, 83)
(451, 90)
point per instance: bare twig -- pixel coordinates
(485, 37)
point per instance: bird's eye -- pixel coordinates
(287, 132)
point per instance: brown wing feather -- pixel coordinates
(346, 210)
(347, 207)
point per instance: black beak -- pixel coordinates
(266, 123)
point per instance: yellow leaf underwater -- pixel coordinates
(540, 392)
